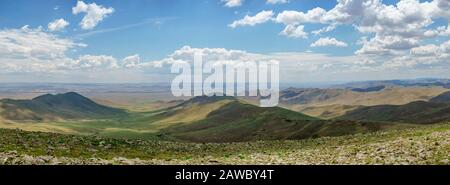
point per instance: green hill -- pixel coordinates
(69, 105)
(238, 121)
(442, 98)
(415, 112)
(200, 119)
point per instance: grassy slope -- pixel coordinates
(331, 103)
(388, 96)
(238, 121)
(202, 119)
(414, 112)
(420, 145)
(52, 107)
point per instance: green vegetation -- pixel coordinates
(236, 121)
(415, 112)
(201, 119)
(52, 107)
(71, 129)
(419, 145)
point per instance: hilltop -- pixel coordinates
(230, 120)
(69, 105)
(200, 119)
(422, 112)
(335, 102)
(442, 98)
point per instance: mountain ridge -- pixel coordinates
(68, 105)
(435, 110)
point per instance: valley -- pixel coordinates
(392, 125)
(200, 119)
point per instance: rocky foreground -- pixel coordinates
(421, 145)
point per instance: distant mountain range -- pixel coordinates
(424, 82)
(334, 102)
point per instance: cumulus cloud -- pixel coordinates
(186, 53)
(427, 50)
(430, 56)
(396, 27)
(131, 61)
(259, 18)
(232, 3)
(33, 44)
(91, 62)
(293, 65)
(324, 29)
(294, 31)
(327, 41)
(439, 31)
(391, 45)
(277, 1)
(34, 50)
(94, 14)
(294, 17)
(57, 25)
(441, 51)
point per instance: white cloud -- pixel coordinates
(58, 25)
(438, 51)
(427, 50)
(327, 41)
(277, 1)
(91, 62)
(94, 14)
(29, 50)
(387, 45)
(33, 44)
(232, 3)
(324, 29)
(395, 28)
(294, 31)
(439, 31)
(293, 17)
(131, 61)
(294, 66)
(186, 53)
(259, 18)
(429, 56)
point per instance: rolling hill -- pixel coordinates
(200, 119)
(442, 98)
(331, 103)
(387, 95)
(235, 120)
(69, 105)
(423, 112)
(419, 82)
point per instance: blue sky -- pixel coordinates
(171, 25)
(155, 29)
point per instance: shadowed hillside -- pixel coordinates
(69, 105)
(332, 103)
(433, 111)
(238, 121)
(200, 119)
(442, 98)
